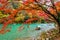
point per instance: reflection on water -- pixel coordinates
(26, 32)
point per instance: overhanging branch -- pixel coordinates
(45, 10)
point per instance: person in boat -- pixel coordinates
(37, 28)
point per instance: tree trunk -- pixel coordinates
(59, 26)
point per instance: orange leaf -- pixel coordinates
(31, 0)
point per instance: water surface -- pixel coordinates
(26, 32)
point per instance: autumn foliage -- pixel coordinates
(31, 10)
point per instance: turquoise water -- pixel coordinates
(26, 32)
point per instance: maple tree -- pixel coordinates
(52, 10)
(34, 9)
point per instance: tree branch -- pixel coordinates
(52, 1)
(45, 10)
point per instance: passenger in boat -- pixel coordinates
(37, 28)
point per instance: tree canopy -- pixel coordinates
(21, 10)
